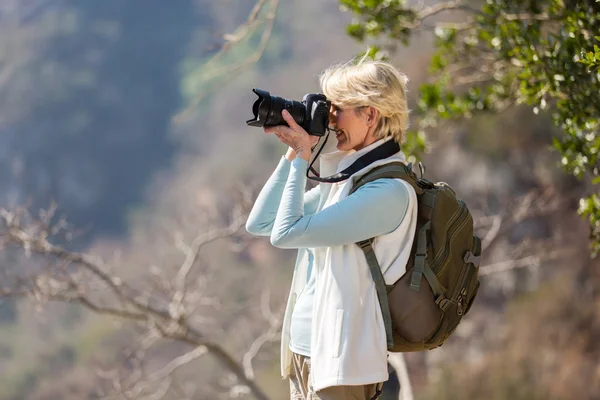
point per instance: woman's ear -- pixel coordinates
(371, 115)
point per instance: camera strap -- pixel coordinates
(385, 150)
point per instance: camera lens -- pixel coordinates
(267, 110)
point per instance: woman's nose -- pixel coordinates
(332, 119)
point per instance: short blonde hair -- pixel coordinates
(370, 83)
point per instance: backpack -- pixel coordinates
(424, 307)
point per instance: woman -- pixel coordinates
(333, 339)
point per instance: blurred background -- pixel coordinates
(127, 119)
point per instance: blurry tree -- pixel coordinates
(79, 74)
(494, 54)
(168, 305)
(83, 83)
(241, 49)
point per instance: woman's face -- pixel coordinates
(353, 127)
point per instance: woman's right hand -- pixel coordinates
(294, 136)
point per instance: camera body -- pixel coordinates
(317, 113)
(312, 113)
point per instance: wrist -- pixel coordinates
(304, 154)
(290, 154)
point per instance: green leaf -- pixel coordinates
(357, 31)
(525, 62)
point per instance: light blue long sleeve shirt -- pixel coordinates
(290, 216)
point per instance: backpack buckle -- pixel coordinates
(472, 259)
(422, 169)
(442, 302)
(364, 244)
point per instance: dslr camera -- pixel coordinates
(312, 113)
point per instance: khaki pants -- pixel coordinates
(300, 388)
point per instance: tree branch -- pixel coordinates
(242, 30)
(398, 361)
(39, 245)
(177, 363)
(430, 11)
(191, 256)
(269, 21)
(47, 288)
(271, 335)
(526, 17)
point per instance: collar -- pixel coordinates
(354, 155)
(336, 161)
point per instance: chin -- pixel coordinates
(341, 146)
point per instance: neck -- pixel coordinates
(369, 140)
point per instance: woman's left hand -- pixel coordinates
(294, 136)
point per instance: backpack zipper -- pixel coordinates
(454, 219)
(455, 229)
(460, 291)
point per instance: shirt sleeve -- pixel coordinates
(263, 213)
(375, 209)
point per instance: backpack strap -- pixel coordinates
(420, 258)
(367, 247)
(393, 170)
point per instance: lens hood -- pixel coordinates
(260, 108)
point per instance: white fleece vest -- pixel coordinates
(348, 335)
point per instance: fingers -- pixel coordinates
(277, 130)
(292, 124)
(290, 121)
(291, 134)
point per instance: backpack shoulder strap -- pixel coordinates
(394, 170)
(380, 286)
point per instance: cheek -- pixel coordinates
(345, 122)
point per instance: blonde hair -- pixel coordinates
(370, 83)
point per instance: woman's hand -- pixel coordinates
(295, 136)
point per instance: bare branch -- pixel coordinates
(492, 233)
(533, 204)
(398, 361)
(17, 235)
(243, 29)
(272, 334)
(71, 298)
(508, 265)
(177, 363)
(529, 261)
(162, 391)
(114, 312)
(47, 288)
(526, 17)
(192, 252)
(269, 21)
(429, 11)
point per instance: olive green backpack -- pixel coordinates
(424, 307)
